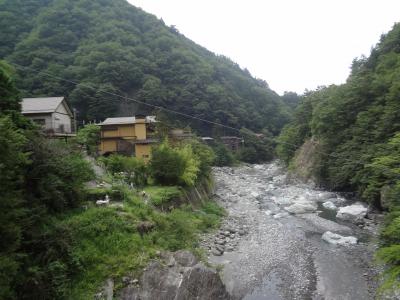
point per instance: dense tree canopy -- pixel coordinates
(120, 49)
(357, 126)
(39, 179)
(354, 122)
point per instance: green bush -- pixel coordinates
(161, 195)
(174, 166)
(391, 233)
(210, 214)
(40, 179)
(166, 166)
(134, 169)
(13, 162)
(248, 155)
(223, 157)
(89, 137)
(56, 174)
(191, 166)
(205, 155)
(257, 149)
(391, 257)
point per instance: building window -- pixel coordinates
(40, 122)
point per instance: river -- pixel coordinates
(264, 252)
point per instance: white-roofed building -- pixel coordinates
(52, 113)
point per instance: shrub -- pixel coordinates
(13, 161)
(166, 166)
(134, 169)
(205, 155)
(248, 154)
(223, 157)
(56, 175)
(174, 166)
(191, 166)
(390, 256)
(257, 149)
(89, 137)
(161, 195)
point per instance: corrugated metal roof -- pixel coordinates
(126, 120)
(121, 120)
(40, 105)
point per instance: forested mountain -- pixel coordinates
(116, 47)
(355, 130)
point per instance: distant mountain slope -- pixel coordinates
(121, 49)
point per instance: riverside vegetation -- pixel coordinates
(354, 133)
(55, 242)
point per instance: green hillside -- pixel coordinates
(356, 127)
(118, 48)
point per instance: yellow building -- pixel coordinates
(128, 136)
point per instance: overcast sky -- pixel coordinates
(293, 45)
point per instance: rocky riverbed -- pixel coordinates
(288, 240)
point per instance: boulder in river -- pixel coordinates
(352, 213)
(323, 196)
(301, 207)
(329, 205)
(337, 239)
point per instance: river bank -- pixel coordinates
(268, 248)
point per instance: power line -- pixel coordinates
(126, 98)
(296, 147)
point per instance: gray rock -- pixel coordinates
(353, 213)
(220, 242)
(233, 230)
(302, 207)
(323, 196)
(336, 239)
(329, 205)
(281, 215)
(185, 258)
(109, 289)
(220, 248)
(216, 252)
(202, 283)
(171, 261)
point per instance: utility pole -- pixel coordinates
(75, 121)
